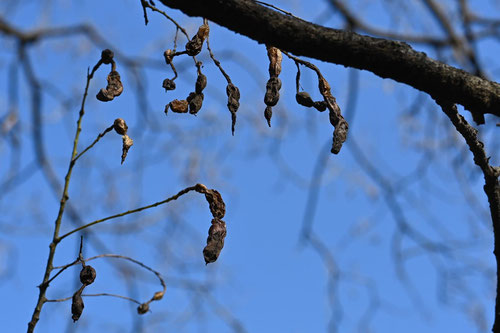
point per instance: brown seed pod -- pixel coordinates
(113, 89)
(215, 240)
(87, 275)
(107, 56)
(320, 106)
(303, 98)
(272, 91)
(178, 106)
(275, 58)
(120, 126)
(143, 308)
(127, 143)
(158, 295)
(268, 114)
(233, 102)
(195, 102)
(168, 84)
(168, 55)
(193, 47)
(216, 204)
(201, 83)
(77, 305)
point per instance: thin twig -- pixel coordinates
(175, 197)
(109, 129)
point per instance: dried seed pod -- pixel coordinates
(272, 91)
(127, 143)
(168, 84)
(320, 106)
(87, 275)
(216, 204)
(215, 240)
(143, 308)
(178, 106)
(201, 83)
(168, 55)
(113, 89)
(275, 57)
(77, 305)
(120, 126)
(303, 98)
(233, 102)
(268, 114)
(107, 56)
(158, 295)
(195, 102)
(193, 47)
(339, 135)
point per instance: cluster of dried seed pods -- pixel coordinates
(273, 85)
(329, 102)
(114, 87)
(120, 127)
(217, 231)
(194, 101)
(87, 277)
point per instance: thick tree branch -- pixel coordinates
(385, 58)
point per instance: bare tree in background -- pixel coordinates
(454, 79)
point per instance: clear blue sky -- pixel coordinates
(266, 278)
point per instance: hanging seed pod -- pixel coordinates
(275, 57)
(303, 98)
(215, 240)
(127, 143)
(201, 83)
(143, 308)
(120, 126)
(215, 203)
(233, 102)
(339, 136)
(268, 114)
(77, 305)
(178, 106)
(158, 295)
(195, 102)
(320, 106)
(272, 91)
(168, 84)
(169, 56)
(87, 275)
(193, 47)
(113, 89)
(107, 56)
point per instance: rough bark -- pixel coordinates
(385, 58)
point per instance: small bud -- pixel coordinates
(87, 275)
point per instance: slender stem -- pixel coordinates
(94, 295)
(64, 198)
(175, 197)
(93, 143)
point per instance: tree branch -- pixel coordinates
(385, 58)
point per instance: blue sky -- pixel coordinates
(267, 278)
